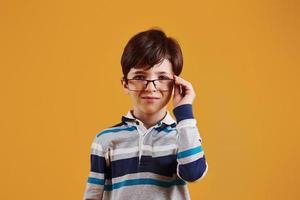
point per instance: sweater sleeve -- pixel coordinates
(96, 179)
(192, 165)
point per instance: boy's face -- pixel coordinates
(140, 99)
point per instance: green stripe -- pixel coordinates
(95, 181)
(144, 181)
(189, 152)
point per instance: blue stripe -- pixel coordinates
(189, 152)
(182, 112)
(194, 170)
(116, 130)
(169, 130)
(164, 165)
(144, 181)
(97, 163)
(96, 181)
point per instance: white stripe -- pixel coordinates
(97, 153)
(186, 123)
(124, 150)
(96, 175)
(96, 146)
(160, 148)
(192, 158)
(145, 147)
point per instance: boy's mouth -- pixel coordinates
(149, 97)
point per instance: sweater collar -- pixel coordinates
(168, 120)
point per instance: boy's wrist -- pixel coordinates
(182, 112)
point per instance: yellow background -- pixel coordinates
(60, 85)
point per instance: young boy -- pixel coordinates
(149, 155)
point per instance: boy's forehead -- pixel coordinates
(164, 67)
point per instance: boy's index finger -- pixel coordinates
(181, 81)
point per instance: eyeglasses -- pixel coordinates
(140, 85)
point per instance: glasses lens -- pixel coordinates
(164, 85)
(136, 85)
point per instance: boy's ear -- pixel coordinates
(124, 86)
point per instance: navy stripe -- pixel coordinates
(182, 112)
(97, 163)
(194, 170)
(165, 129)
(125, 119)
(164, 165)
(162, 127)
(144, 181)
(116, 130)
(173, 125)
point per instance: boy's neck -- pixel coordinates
(149, 119)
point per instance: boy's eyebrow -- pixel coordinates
(162, 73)
(139, 72)
(143, 72)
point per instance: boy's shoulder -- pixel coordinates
(110, 129)
(104, 135)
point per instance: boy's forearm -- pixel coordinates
(191, 160)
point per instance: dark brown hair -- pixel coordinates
(150, 47)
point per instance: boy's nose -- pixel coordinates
(150, 87)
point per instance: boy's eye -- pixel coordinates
(139, 77)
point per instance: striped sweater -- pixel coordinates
(131, 162)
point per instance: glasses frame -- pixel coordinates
(147, 82)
